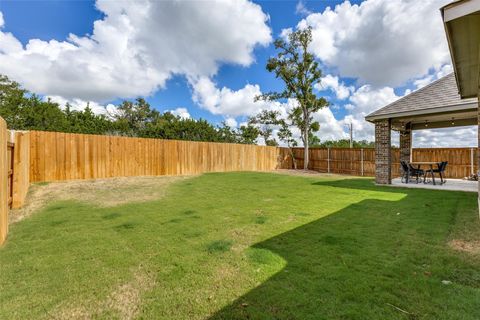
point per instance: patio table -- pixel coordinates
(429, 164)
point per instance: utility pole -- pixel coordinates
(350, 127)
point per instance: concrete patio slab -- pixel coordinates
(451, 184)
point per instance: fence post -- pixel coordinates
(471, 162)
(361, 157)
(328, 159)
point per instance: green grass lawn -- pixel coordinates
(248, 246)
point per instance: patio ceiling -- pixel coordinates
(438, 120)
(462, 26)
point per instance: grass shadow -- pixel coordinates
(375, 259)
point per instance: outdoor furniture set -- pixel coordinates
(413, 170)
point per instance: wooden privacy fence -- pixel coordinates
(4, 190)
(21, 167)
(65, 156)
(361, 162)
(38, 156)
(10, 151)
(462, 162)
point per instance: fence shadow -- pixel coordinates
(361, 184)
(358, 263)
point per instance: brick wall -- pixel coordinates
(383, 157)
(405, 143)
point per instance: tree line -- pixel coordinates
(23, 110)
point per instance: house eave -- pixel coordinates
(432, 111)
(462, 25)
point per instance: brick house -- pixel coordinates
(449, 101)
(437, 105)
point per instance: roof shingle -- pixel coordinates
(440, 93)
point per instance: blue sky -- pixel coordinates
(52, 19)
(363, 70)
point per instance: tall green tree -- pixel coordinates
(25, 111)
(285, 135)
(266, 121)
(169, 126)
(345, 143)
(85, 121)
(248, 134)
(226, 133)
(12, 101)
(132, 117)
(296, 66)
(42, 115)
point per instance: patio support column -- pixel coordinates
(383, 154)
(406, 143)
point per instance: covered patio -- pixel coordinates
(448, 102)
(437, 105)
(451, 185)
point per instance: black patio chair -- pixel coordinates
(416, 172)
(440, 170)
(405, 171)
(410, 171)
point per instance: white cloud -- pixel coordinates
(437, 74)
(362, 102)
(446, 137)
(231, 103)
(381, 42)
(231, 122)
(301, 8)
(444, 70)
(180, 112)
(332, 83)
(139, 45)
(367, 99)
(285, 33)
(136, 47)
(79, 105)
(226, 101)
(330, 128)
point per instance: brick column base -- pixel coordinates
(383, 154)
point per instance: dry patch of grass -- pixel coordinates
(100, 192)
(123, 302)
(126, 299)
(73, 313)
(472, 246)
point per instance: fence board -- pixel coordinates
(349, 161)
(459, 159)
(4, 167)
(21, 168)
(64, 156)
